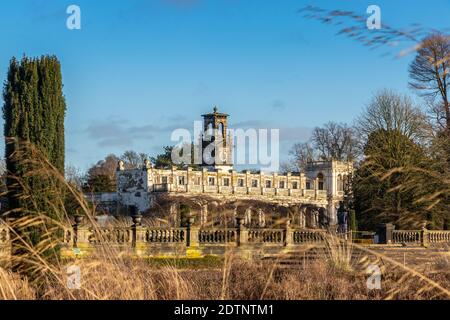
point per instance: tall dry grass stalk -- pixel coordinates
(109, 273)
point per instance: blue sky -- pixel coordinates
(139, 68)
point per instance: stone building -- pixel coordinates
(312, 197)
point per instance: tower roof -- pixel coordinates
(215, 113)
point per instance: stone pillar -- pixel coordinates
(385, 232)
(192, 234)
(204, 214)
(188, 179)
(248, 182)
(424, 237)
(138, 241)
(262, 184)
(204, 179)
(80, 233)
(76, 226)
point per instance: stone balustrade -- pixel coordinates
(422, 237)
(438, 236)
(160, 235)
(195, 241)
(151, 241)
(216, 236)
(308, 236)
(266, 236)
(407, 237)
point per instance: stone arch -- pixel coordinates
(324, 220)
(299, 216)
(312, 217)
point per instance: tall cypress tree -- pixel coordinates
(34, 111)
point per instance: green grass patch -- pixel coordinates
(187, 263)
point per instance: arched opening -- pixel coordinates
(345, 182)
(340, 183)
(221, 129)
(320, 182)
(323, 218)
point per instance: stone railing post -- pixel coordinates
(80, 233)
(385, 233)
(424, 237)
(138, 232)
(76, 226)
(242, 233)
(192, 233)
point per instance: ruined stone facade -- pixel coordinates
(315, 193)
(318, 190)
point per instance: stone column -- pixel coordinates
(188, 179)
(248, 182)
(204, 214)
(204, 179)
(288, 181)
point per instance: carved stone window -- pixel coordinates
(240, 182)
(211, 181)
(268, 184)
(226, 182)
(294, 185)
(281, 185)
(254, 183)
(181, 180)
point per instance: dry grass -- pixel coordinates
(125, 279)
(111, 274)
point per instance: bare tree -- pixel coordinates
(391, 111)
(335, 141)
(301, 154)
(74, 176)
(429, 73)
(133, 160)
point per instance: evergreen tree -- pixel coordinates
(34, 111)
(393, 182)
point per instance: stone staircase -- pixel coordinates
(413, 256)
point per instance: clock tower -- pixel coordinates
(216, 143)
